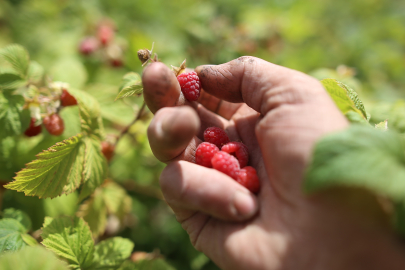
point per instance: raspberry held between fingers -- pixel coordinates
(190, 85)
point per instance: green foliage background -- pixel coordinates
(316, 37)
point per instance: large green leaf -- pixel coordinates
(62, 168)
(57, 170)
(18, 57)
(90, 113)
(10, 81)
(70, 70)
(346, 99)
(94, 212)
(18, 215)
(11, 232)
(31, 258)
(110, 198)
(95, 167)
(359, 157)
(111, 253)
(70, 239)
(13, 119)
(35, 72)
(131, 85)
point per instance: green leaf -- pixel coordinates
(18, 57)
(95, 167)
(90, 113)
(70, 239)
(29, 240)
(110, 198)
(10, 81)
(58, 170)
(345, 98)
(94, 212)
(35, 72)
(131, 85)
(62, 168)
(155, 264)
(13, 119)
(18, 215)
(31, 258)
(11, 235)
(359, 157)
(111, 253)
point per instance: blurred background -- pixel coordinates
(359, 42)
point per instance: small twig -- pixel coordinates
(126, 129)
(150, 191)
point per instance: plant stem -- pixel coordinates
(126, 129)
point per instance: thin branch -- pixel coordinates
(126, 129)
(151, 191)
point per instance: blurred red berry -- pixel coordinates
(66, 99)
(33, 130)
(88, 45)
(105, 33)
(108, 150)
(54, 124)
(116, 62)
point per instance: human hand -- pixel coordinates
(279, 114)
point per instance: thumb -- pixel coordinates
(258, 83)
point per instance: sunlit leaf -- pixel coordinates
(57, 170)
(31, 258)
(131, 85)
(345, 98)
(70, 239)
(13, 119)
(359, 157)
(18, 57)
(111, 253)
(94, 212)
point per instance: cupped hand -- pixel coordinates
(279, 114)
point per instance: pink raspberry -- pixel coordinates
(216, 136)
(190, 85)
(226, 163)
(204, 153)
(88, 45)
(247, 177)
(239, 150)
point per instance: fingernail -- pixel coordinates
(201, 68)
(245, 204)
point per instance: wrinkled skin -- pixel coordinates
(279, 114)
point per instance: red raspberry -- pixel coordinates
(66, 99)
(108, 150)
(247, 177)
(105, 33)
(239, 150)
(54, 124)
(190, 85)
(216, 136)
(116, 62)
(33, 130)
(88, 45)
(226, 163)
(204, 153)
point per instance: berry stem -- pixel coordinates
(126, 129)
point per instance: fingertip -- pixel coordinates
(161, 88)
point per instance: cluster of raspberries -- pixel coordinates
(230, 160)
